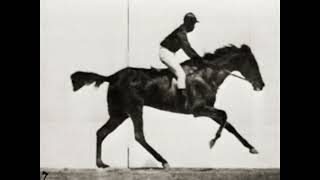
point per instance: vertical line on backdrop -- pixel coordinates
(128, 38)
(128, 156)
(128, 64)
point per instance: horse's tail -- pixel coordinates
(80, 79)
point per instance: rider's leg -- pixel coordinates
(169, 59)
(181, 77)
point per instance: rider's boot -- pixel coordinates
(182, 95)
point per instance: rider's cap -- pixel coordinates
(190, 18)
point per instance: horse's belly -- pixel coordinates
(168, 102)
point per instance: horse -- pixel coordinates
(131, 88)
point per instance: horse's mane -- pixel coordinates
(221, 52)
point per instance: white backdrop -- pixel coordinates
(90, 35)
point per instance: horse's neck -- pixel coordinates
(219, 69)
(218, 72)
(193, 64)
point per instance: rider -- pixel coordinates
(172, 43)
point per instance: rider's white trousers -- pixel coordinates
(169, 59)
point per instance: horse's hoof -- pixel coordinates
(211, 143)
(102, 165)
(165, 166)
(253, 151)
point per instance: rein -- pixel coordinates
(234, 75)
(230, 73)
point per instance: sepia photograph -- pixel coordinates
(159, 90)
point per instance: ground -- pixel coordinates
(161, 174)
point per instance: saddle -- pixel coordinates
(163, 69)
(157, 69)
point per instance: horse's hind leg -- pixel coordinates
(136, 117)
(102, 133)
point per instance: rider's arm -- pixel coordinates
(186, 46)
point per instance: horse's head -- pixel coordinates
(249, 68)
(238, 59)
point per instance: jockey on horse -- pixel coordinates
(172, 43)
(130, 89)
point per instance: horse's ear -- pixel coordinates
(245, 48)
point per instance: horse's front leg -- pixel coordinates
(218, 133)
(212, 112)
(218, 115)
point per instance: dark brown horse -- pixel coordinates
(132, 88)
